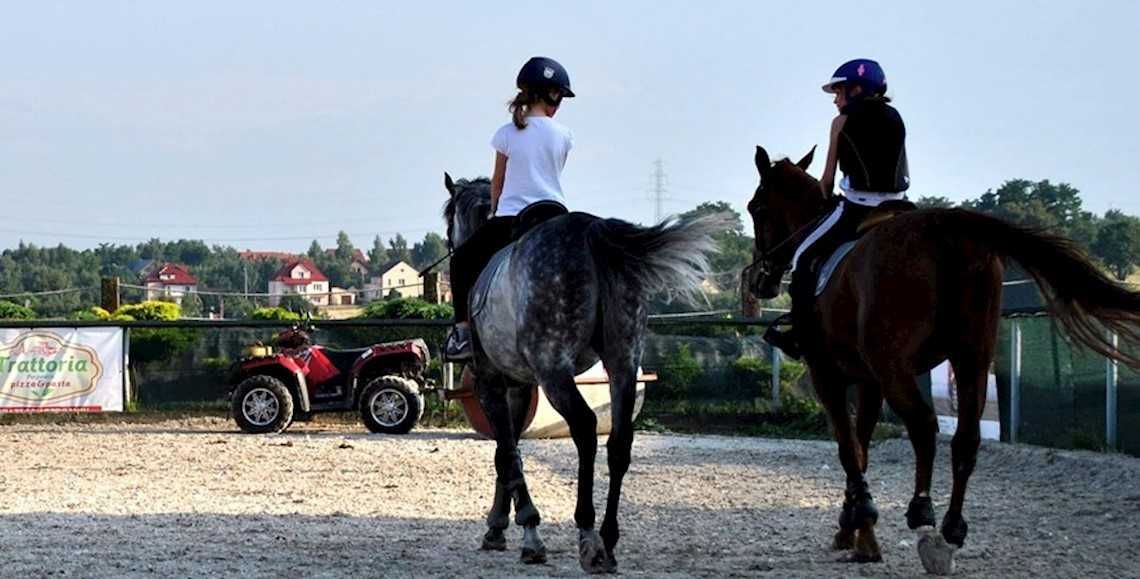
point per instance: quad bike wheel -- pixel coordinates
(262, 404)
(391, 405)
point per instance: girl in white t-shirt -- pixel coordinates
(526, 187)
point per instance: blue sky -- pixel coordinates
(264, 125)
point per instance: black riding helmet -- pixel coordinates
(541, 73)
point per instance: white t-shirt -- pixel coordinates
(535, 157)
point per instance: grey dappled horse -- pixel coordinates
(570, 291)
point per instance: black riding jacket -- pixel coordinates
(872, 147)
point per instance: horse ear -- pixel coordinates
(763, 163)
(806, 161)
(448, 183)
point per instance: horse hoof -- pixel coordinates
(857, 557)
(494, 540)
(592, 553)
(533, 556)
(936, 554)
(866, 546)
(844, 540)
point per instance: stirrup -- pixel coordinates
(458, 347)
(784, 319)
(786, 342)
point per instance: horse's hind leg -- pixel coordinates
(922, 428)
(622, 370)
(565, 398)
(971, 374)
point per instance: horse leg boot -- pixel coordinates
(526, 514)
(565, 398)
(859, 515)
(623, 396)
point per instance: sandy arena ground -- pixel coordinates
(194, 498)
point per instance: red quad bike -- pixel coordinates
(270, 389)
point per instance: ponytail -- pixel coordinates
(519, 107)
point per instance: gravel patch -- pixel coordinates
(193, 498)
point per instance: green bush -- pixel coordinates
(751, 370)
(678, 372)
(408, 309)
(151, 310)
(92, 314)
(149, 345)
(280, 314)
(298, 304)
(12, 311)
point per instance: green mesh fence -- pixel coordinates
(706, 365)
(188, 366)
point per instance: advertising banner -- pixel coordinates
(944, 392)
(61, 370)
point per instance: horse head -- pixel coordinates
(785, 202)
(467, 208)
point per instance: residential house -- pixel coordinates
(299, 276)
(358, 264)
(169, 280)
(399, 277)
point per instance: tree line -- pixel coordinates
(1113, 239)
(32, 268)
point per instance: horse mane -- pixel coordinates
(793, 171)
(469, 197)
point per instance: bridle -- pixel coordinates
(768, 260)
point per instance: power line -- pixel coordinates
(47, 293)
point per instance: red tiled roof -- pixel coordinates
(283, 274)
(178, 275)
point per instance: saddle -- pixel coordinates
(886, 210)
(877, 216)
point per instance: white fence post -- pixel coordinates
(774, 352)
(448, 376)
(1110, 389)
(1014, 380)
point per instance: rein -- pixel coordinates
(766, 259)
(428, 269)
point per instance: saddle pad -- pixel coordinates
(488, 278)
(829, 266)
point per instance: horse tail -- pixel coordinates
(1080, 295)
(670, 257)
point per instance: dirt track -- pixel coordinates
(194, 498)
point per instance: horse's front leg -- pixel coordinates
(509, 479)
(526, 514)
(859, 515)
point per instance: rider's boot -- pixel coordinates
(459, 347)
(786, 341)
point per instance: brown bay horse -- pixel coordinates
(918, 289)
